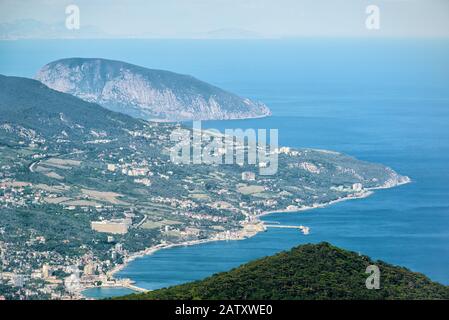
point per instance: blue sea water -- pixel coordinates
(106, 292)
(380, 100)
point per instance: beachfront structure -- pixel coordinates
(89, 269)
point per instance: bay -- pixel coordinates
(379, 100)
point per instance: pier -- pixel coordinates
(135, 288)
(303, 229)
(283, 226)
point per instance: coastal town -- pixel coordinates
(80, 200)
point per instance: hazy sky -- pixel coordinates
(285, 18)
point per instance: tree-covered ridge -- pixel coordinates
(307, 272)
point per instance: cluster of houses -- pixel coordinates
(19, 194)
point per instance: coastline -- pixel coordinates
(363, 194)
(269, 114)
(241, 234)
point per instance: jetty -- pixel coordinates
(303, 229)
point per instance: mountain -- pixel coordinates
(311, 271)
(32, 112)
(31, 104)
(146, 93)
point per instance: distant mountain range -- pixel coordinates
(146, 93)
(229, 33)
(308, 272)
(34, 29)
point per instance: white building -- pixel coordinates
(89, 269)
(72, 283)
(18, 280)
(248, 176)
(46, 271)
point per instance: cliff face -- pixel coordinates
(146, 93)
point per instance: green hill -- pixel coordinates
(312, 271)
(36, 107)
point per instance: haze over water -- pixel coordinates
(379, 100)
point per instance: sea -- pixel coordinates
(380, 100)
